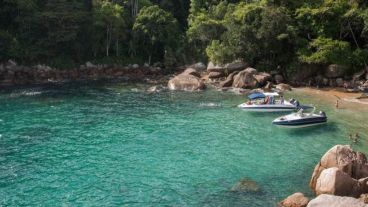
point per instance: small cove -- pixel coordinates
(116, 145)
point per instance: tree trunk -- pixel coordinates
(117, 47)
(107, 41)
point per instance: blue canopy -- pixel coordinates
(256, 96)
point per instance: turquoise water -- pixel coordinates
(116, 145)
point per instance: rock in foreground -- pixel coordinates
(325, 200)
(336, 182)
(295, 200)
(345, 159)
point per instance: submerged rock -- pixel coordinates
(325, 200)
(246, 186)
(295, 200)
(156, 89)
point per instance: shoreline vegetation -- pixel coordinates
(249, 46)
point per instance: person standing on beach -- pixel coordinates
(337, 103)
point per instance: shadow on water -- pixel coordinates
(328, 127)
(228, 198)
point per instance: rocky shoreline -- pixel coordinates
(339, 179)
(237, 76)
(12, 74)
(241, 78)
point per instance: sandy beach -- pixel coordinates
(331, 95)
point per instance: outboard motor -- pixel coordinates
(296, 103)
(322, 113)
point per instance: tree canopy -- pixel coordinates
(264, 33)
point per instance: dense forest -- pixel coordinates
(265, 33)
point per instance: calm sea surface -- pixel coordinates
(116, 145)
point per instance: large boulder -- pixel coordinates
(226, 68)
(246, 186)
(186, 82)
(251, 70)
(325, 200)
(345, 159)
(262, 78)
(283, 87)
(295, 200)
(335, 71)
(245, 79)
(229, 80)
(199, 66)
(235, 66)
(191, 71)
(336, 182)
(214, 75)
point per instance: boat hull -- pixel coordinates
(292, 121)
(267, 108)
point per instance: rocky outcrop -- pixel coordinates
(345, 159)
(295, 200)
(186, 82)
(262, 78)
(191, 71)
(335, 71)
(229, 80)
(14, 74)
(283, 87)
(246, 186)
(226, 68)
(199, 66)
(325, 200)
(245, 79)
(305, 72)
(214, 75)
(336, 182)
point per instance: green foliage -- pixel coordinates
(256, 33)
(264, 33)
(156, 33)
(327, 51)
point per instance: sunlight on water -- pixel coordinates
(115, 145)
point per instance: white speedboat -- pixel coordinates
(301, 119)
(269, 102)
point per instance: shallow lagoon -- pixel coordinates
(116, 145)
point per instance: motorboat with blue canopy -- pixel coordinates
(270, 102)
(301, 119)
